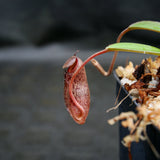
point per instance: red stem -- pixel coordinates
(86, 61)
(116, 52)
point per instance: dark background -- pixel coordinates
(36, 37)
(43, 21)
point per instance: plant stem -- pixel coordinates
(116, 52)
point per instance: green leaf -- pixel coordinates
(146, 25)
(134, 47)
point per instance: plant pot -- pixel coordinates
(140, 150)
